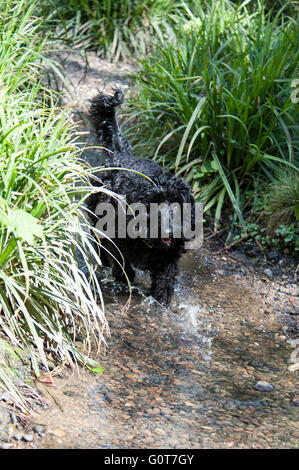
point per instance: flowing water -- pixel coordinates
(181, 377)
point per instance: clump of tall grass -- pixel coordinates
(116, 29)
(46, 300)
(281, 199)
(290, 7)
(216, 100)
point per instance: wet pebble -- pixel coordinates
(295, 401)
(38, 429)
(264, 386)
(5, 396)
(229, 407)
(294, 358)
(293, 367)
(70, 393)
(268, 273)
(28, 437)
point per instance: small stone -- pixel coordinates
(160, 431)
(28, 437)
(293, 342)
(263, 386)
(17, 436)
(38, 429)
(295, 401)
(294, 358)
(268, 273)
(188, 403)
(229, 407)
(5, 396)
(293, 367)
(70, 393)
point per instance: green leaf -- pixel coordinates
(193, 118)
(229, 191)
(97, 370)
(24, 225)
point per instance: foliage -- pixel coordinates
(281, 199)
(283, 236)
(274, 216)
(116, 29)
(280, 209)
(218, 84)
(46, 300)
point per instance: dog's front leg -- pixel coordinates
(163, 280)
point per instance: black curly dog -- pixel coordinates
(158, 255)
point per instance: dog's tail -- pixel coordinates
(103, 116)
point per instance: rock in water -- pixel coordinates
(263, 386)
(268, 273)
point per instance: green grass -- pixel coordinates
(213, 101)
(122, 29)
(281, 200)
(115, 29)
(46, 300)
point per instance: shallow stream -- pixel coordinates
(182, 377)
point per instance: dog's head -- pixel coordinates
(160, 214)
(164, 218)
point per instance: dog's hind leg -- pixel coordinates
(163, 281)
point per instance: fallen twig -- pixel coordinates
(228, 247)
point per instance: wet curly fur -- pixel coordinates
(159, 256)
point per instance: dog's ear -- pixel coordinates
(184, 192)
(186, 196)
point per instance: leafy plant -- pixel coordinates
(215, 98)
(289, 234)
(280, 209)
(116, 29)
(281, 199)
(46, 298)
